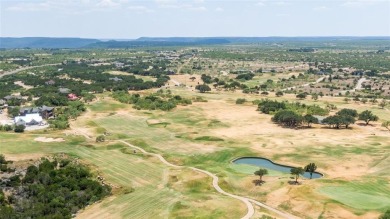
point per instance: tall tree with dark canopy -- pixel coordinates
(311, 168)
(296, 172)
(261, 173)
(367, 116)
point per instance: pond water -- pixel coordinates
(267, 164)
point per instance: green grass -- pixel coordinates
(208, 138)
(373, 195)
(105, 106)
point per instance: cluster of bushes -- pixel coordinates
(53, 189)
(160, 100)
(6, 128)
(246, 77)
(343, 118)
(16, 128)
(346, 117)
(272, 106)
(240, 101)
(292, 119)
(63, 114)
(77, 73)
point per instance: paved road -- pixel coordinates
(245, 200)
(25, 68)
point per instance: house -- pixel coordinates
(64, 90)
(44, 111)
(50, 82)
(119, 64)
(10, 97)
(72, 97)
(116, 79)
(29, 119)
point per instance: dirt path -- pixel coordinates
(305, 85)
(246, 201)
(357, 87)
(25, 68)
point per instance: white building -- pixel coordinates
(29, 119)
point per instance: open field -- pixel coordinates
(208, 133)
(186, 137)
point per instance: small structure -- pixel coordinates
(63, 90)
(29, 119)
(50, 82)
(116, 79)
(72, 96)
(10, 97)
(44, 111)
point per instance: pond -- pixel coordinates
(268, 164)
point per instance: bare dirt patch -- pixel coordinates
(44, 139)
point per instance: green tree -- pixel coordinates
(367, 116)
(309, 119)
(240, 101)
(203, 88)
(13, 111)
(314, 97)
(386, 215)
(288, 118)
(100, 138)
(19, 128)
(279, 93)
(301, 96)
(311, 168)
(261, 173)
(347, 112)
(296, 172)
(382, 104)
(386, 124)
(346, 100)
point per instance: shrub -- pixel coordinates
(19, 128)
(100, 138)
(240, 101)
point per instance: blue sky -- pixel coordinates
(128, 19)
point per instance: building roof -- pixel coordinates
(9, 97)
(115, 79)
(64, 90)
(28, 118)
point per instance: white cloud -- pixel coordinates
(40, 6)
(361, 3)
(281, 3)
(140, 9)
(321, 8)
(197, 8)
(107, 3)
(219, 9)
(260, 3)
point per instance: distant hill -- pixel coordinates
(47, 42)
(44, 42)
(156, 42)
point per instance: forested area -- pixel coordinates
(51, 189)
(160, 100)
